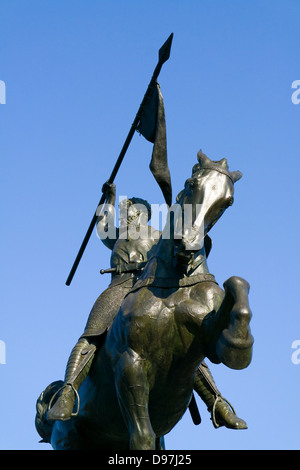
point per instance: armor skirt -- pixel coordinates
(106, 308)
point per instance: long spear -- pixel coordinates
(163, 56)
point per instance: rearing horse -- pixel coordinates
(141, 381)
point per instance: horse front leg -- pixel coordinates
(229, 331)
(133, 394)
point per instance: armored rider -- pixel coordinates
(131, 245)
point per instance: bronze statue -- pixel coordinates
(143, 360)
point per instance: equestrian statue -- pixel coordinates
(133, 372)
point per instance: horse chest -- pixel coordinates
(186, 308)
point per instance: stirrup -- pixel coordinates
(213, 412)
(76, 398)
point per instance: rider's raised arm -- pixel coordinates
(106, 229)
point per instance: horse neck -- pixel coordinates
(165, 262)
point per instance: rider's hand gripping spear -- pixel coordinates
(164, 54)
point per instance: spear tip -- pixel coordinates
(164, 51)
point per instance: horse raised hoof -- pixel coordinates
(235, 342)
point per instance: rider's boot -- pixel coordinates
(222, 413)
(77, 369)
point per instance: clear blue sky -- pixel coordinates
(75, 73)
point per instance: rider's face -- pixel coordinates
(132, 214)
(128, 216)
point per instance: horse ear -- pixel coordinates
(223, 163)
(236, 175)
(202, 158)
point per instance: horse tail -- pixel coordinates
(43, 425)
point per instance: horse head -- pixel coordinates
(205, 197)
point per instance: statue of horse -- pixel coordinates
(176, 315)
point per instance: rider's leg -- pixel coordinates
(222, 413)
(77, 369)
